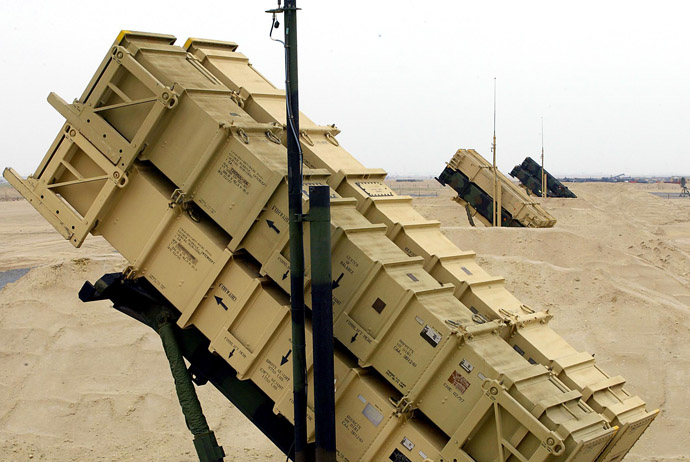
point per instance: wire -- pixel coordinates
(287, 458)
(274, 25)
(288, 100)
(290, 117)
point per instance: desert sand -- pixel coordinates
(84, 382)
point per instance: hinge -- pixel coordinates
(177, 197)
(129, 272)
(402, 407)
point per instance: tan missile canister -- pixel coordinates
(182, 170)
(415, 235)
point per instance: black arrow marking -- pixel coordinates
(285, 275)
(232, 353)
(220, 302)
(354, 337)
(284, 359)
(336, 283)
(272, 225)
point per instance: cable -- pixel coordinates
(287, 458)
(290, 117)
(274, 25)
(288, 100)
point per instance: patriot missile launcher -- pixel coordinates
(175, 155)
(529, 175)
(471, 176)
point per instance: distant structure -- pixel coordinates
(684, 188)
(529, 173)
(620, 178)
(473, 178)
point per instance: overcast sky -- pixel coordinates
(408, 83)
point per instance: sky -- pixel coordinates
(408, 83)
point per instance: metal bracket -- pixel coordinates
(500, 397)
(403, 407)
(236, 96)
(283, 9)
(178, 197)
(129, 272)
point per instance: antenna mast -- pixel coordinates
(497, 189)
(543, 175)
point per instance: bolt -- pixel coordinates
(72, 133)
(165, 96)
(493, 391)
(550, 441)
(120, 55)
(116, 175)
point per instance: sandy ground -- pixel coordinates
(83, 382)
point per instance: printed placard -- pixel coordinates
(458, 381)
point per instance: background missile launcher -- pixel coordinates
(529, 175)
(471, 176)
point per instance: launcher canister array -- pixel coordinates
(529, 174)
(175, 155)
(472, 177)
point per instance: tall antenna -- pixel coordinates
(296, 230)
(543, 175)
(497, 190)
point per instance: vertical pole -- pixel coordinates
(322, 321)
(497, 191)
(543, 183)
(294, 154)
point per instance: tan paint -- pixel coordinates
(196, 202)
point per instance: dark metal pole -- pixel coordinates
(322, 321)
(204, 439)
(294, 154)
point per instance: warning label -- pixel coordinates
(459, 382)
(398, 456)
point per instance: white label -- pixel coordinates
(481, 376)
(466, 365)
(407, 443)
(371, 413)
(422, 455)
(362, 399)
(419, 320)
(431, 335)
